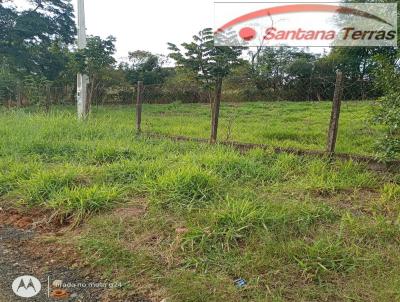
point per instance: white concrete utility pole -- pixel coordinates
(82, 79)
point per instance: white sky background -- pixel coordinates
(149, 25)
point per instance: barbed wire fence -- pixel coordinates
(247, 90)
(334, 90)
(42, 95)
(234, 91)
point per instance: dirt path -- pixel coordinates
(18, 258)
(25, 251)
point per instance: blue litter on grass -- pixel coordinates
(240, 283)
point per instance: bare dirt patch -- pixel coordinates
(29, 245)
(132, 211)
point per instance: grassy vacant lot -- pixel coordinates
(286, 124)
(184, 220)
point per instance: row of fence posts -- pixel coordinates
(333, 125)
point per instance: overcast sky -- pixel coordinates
(150, 24)
(147, 25)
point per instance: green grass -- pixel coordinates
(185, 220)
(186, 187)
(40, 186)
(83, 201)
(284, 124)
(325, 256)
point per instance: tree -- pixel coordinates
(25, 35)
(358, 65)
(8, 83)
(182, 85)
(97, 61)
(210, 64)
(34, 41)
(284, 73)
(146, 67)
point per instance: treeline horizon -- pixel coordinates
(262, 74)
(39, 63)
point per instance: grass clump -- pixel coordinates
(12, 173)
(389, 202)
(103, 155)
(286, 218)
(237, 219)
(80, 202)
(370, 231)
(187, 187)
(388, 205)
(325, 177)
(135, 174)
(111, 256)
(53, 150)
(324, 256)
(230, 165)
(234, 221)
(391, 192)
(43, 184)
(196, 287)
(258, 165)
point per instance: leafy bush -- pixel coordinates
(35, 89)
(387, 112)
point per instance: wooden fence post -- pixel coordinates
(139, 102)
(334, 123)
(215, 111)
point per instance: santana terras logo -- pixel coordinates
(305, 24)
